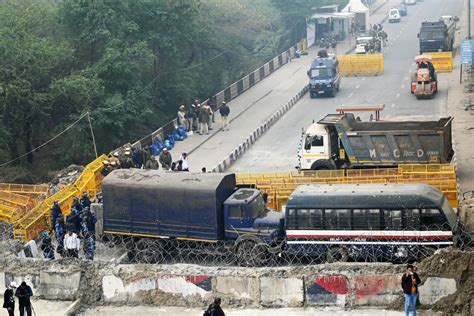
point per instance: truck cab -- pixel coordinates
(245, 213)
(316, 145)
(324, 77)
(437, 36)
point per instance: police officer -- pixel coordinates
(46, 246)
(55, 212)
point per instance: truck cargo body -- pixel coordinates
(153, 204)
(345, 142)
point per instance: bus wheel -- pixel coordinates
(337, 254)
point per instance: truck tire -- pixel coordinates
(337, 254)
(323, 165)
(311, 95)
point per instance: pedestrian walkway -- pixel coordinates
(255, 106)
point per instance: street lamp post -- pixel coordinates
(468, 19)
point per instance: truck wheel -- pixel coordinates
(337, 254)
(332, 94)
(323, 165)
(249, 254)
(311, 95)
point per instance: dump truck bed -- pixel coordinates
(166, 204)
(393, 143)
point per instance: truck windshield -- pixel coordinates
(257, 207)
(431, 35)
(321, 73)
(363, 41)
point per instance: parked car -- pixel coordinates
(394, 15)
(402, 8)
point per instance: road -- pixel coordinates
(254, 107)
(276, 150)
(178, 311)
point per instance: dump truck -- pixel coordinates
(340, 141)
(437, 36)
(203, 208)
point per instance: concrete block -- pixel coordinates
(3, 282)
(115, 289)
(328, 290)
(376, 289)
(286, 292)
(436, 288)
(54, 287)
(31, 250)
(185, 285)
(237, 287)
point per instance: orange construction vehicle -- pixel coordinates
(424, 83)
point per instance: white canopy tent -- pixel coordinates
(361, 14)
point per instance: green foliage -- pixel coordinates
(128, 63)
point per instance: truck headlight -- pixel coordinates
(329, 85)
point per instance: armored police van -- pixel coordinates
(324, 77)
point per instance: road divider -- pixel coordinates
(257, 133)
(361, 64)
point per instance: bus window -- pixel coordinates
(366, 219)
(338, 219)
(303, 219)
(373, 219)
(292, 219)
(432, 219)
(316, 219)
(412, 219)
(393, 219)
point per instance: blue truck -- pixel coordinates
(203, 208)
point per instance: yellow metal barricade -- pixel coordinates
(442, 61)
(361, 64)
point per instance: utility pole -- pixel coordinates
(92, 133)
(468, 19)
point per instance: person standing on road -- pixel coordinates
(9, 299)
(203, 119)
(165, 159)
(410, 282)
(24, 293)
(215, 308)
(224, 111)
(71, 244)
(182, 117)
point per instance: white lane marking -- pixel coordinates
(393, 105)
(358, 86)
(363, 78)
(402, 86)
(406, 78)
(398, 95)
(351, 94)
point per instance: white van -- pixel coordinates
(410, 2)
(394, 15)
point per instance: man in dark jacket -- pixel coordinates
(203, 118)
(55, 212)
(9, 299)
(165, 159)
(410, 282)
(46, 245)
(146, 155)
(152, 164)
(24, 293)
(76, 206)
(215, 308)
(85, 201)
(224, 111)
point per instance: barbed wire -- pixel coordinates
(251, 253)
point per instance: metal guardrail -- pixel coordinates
(31, 189)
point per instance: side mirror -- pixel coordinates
(418, 35)
(307, 73)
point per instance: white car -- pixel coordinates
(362, 43)
(394, 15)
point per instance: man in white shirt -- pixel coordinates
(72, 245)
(184, 162)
